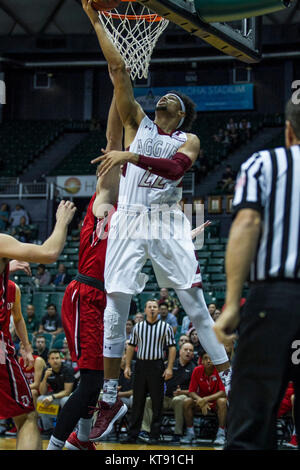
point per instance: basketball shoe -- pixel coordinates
(73, 443)
(107, 415)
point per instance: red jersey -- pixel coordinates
(93, 244)
(28, 372)
(205, 385)
(7, 299)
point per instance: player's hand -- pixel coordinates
(225, 324)
(200, 229)
(65, 212)
(16, 265)
(48, 400)
(90, 11)
(205, 408)
(177, 391)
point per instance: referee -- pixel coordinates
(264, 243)
(150, 336)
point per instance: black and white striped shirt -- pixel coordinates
(269, 182)
(151, 339)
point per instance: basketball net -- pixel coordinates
(134, 29)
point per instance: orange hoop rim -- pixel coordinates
(152, 18)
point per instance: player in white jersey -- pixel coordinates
(159, 153)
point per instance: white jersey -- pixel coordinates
(141, 187)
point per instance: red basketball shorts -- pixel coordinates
(15, 393)
(286, 403)
(82, 318)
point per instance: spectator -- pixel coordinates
(125, 389)
(43, 277)
(219, 136)
(17, 214)
(186, 324)
(129, 327)
(228, 179)
(212, 308)
(287, 406)
(51, 322)
(139, 316)
(177, 391)
(32, 323)
(164, 315)
(22, 231)
(56, 386)
(41, 347)
(33, 374)
(216, 314)
(245, 130)
(61, 278)
(207, 393)
(173, 304)
(198, 350)
(4, 217)
(232, 127)
(182, 339)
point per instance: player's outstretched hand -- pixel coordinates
(111, 159)
(65, 212)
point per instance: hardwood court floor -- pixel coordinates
(9, 443)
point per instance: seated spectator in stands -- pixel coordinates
(228, 179)
(198, 349)
(56, 386)
(164, 315)
(42, 277)
(125, 388)
(182, 339)
(287, 406)
(129, 327)
(17, 214)
(173, 304)
(177, 391)
(139, 316)
(33, 374)
(75, 234)
(61, 278)
(207, 393)
(219, 136)
(245, 130)
(232, 127)
(186, 324)
(227, 140)
(212, 307)
(22, 231)
(31, 322)
(216, 314)
(4, 217)
(41, 347)
(51, 322)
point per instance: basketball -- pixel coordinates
(104, 5)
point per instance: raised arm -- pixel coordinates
(130, 111)
(50, 250)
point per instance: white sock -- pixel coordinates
(55, 444)
(84, 429)
(225, 376)
(110, 391)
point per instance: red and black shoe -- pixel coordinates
(107, 415)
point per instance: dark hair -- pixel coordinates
(52, 305)
(292, 114)
(53, 351)
(190, 111)
(163, 303)
(41, 266)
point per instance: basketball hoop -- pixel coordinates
(134, 29)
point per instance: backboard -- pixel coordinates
(240, 39)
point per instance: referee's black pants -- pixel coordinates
(147, 378)
(267, 357)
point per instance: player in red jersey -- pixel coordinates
(83, 307)
(15, 394)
